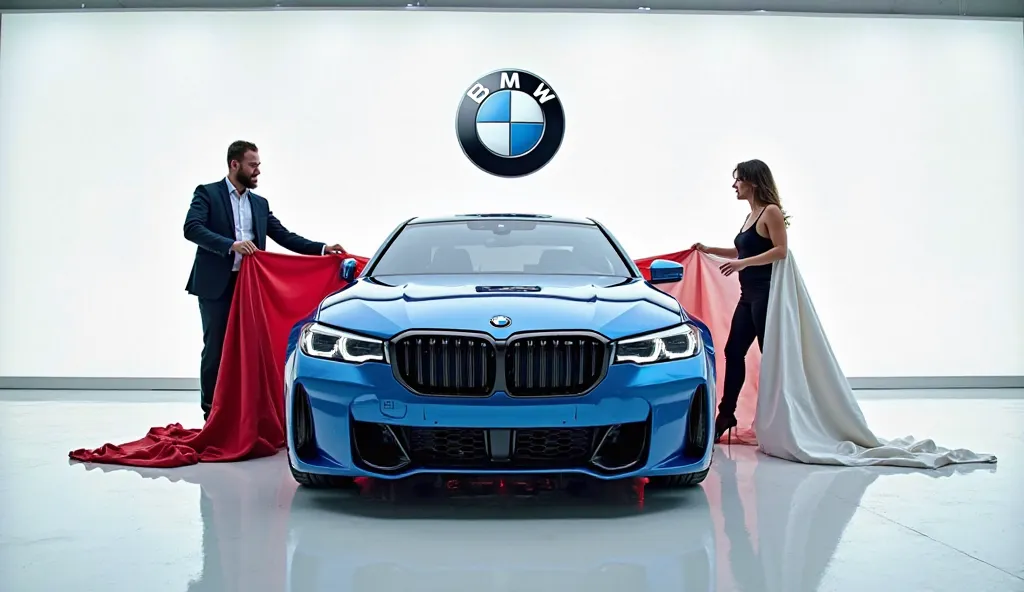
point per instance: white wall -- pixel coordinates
(898, 145)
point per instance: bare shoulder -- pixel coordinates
(773, 211)
(773, 223)
(772, 216)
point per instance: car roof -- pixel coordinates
(505, 216)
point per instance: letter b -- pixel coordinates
(478, 93)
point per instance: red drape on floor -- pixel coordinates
(247, 420)
(275, 291)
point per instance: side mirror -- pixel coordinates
(348, 270)
(664, 271)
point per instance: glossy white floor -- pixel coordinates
(756, 523)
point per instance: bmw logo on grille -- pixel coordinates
(501, 321)
(510, 123)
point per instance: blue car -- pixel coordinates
(500, 344)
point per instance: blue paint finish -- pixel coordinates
(613, 306)
(663, 271)
(616, 308)
(293, 335)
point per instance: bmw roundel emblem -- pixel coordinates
(501, 321)
(510, 123)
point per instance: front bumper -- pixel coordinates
(639, 421)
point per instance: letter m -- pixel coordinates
(510, 81)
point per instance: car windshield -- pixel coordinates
(501, 246)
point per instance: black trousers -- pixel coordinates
(748, 323)
(214, 313)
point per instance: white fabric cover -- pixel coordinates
(806, 410)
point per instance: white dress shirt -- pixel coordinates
(241, 210)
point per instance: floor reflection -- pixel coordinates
(778, 524)
(756, 524)
(602, 537)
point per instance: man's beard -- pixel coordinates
(247, 182)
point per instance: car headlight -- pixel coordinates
(331, 344)
(677, 343)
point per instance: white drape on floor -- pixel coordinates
(806, 410)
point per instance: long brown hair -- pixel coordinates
(760, 176)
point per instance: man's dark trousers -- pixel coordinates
(215, 313)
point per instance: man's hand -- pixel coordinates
(244, 247)
(334, 250)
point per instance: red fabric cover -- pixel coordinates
(247, 420)
(711, 297)
(274, 291)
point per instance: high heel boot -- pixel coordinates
(724, 424)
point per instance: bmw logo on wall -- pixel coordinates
(510, 123)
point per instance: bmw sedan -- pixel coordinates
(500, 344)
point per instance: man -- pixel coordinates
(228, 221)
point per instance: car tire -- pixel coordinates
(687, 480)
(314, 481)
(674, 481)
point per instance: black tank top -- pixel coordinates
(749, 244)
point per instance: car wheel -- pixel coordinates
(688, 480)
(315, 481)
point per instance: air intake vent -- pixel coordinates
(304, 434)
(698, 425)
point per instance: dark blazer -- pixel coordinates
(210, 224)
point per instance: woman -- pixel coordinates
(806, 410)
(760, 242)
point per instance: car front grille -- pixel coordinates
(472, 365)
(470, 448)
(608, 449)
(569, 445)
(449, 447)
(553, 365)
(446, 364)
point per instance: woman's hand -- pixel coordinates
(731, 267)
(715, 251)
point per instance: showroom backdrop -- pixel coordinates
(897, 145)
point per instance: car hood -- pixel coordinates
(615, 307)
